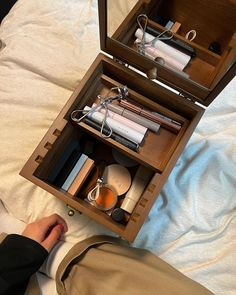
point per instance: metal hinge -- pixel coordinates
(188, 98)
(121, 62)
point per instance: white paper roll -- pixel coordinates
(181, 59)
(116, 126)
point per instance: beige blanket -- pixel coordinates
(49, 47)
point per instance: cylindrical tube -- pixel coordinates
(134, 117)
(116, 126)
(123, 120)
(141, 179)
(168, 66)
(169, 61)
(153, 116)
(173, 53)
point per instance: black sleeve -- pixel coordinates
(5, 7)
(20, 257)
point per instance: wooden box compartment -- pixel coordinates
(159, 152)
(213, 21)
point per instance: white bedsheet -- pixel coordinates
(49, 46)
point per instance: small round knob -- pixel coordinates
(160, 60)
(71, 212)
(152, 73)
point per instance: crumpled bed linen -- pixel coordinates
(49, 47)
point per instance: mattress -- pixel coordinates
(49, 47)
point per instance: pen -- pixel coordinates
(166, 122)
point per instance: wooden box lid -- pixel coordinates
(207, 73)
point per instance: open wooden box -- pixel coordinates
(161, 150)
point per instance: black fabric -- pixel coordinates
(5, 6)
(20, 257)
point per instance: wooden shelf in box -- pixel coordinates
(201, 69)
(103, 74)
(212, 22)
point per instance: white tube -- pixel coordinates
(165, 49)
(169, 61)
(141, 179)
(116, 126)
(168, 66)
(123, 120)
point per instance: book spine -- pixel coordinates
(74, 172)
(81, 177)
(70, 147)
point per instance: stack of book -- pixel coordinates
(78, 174)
